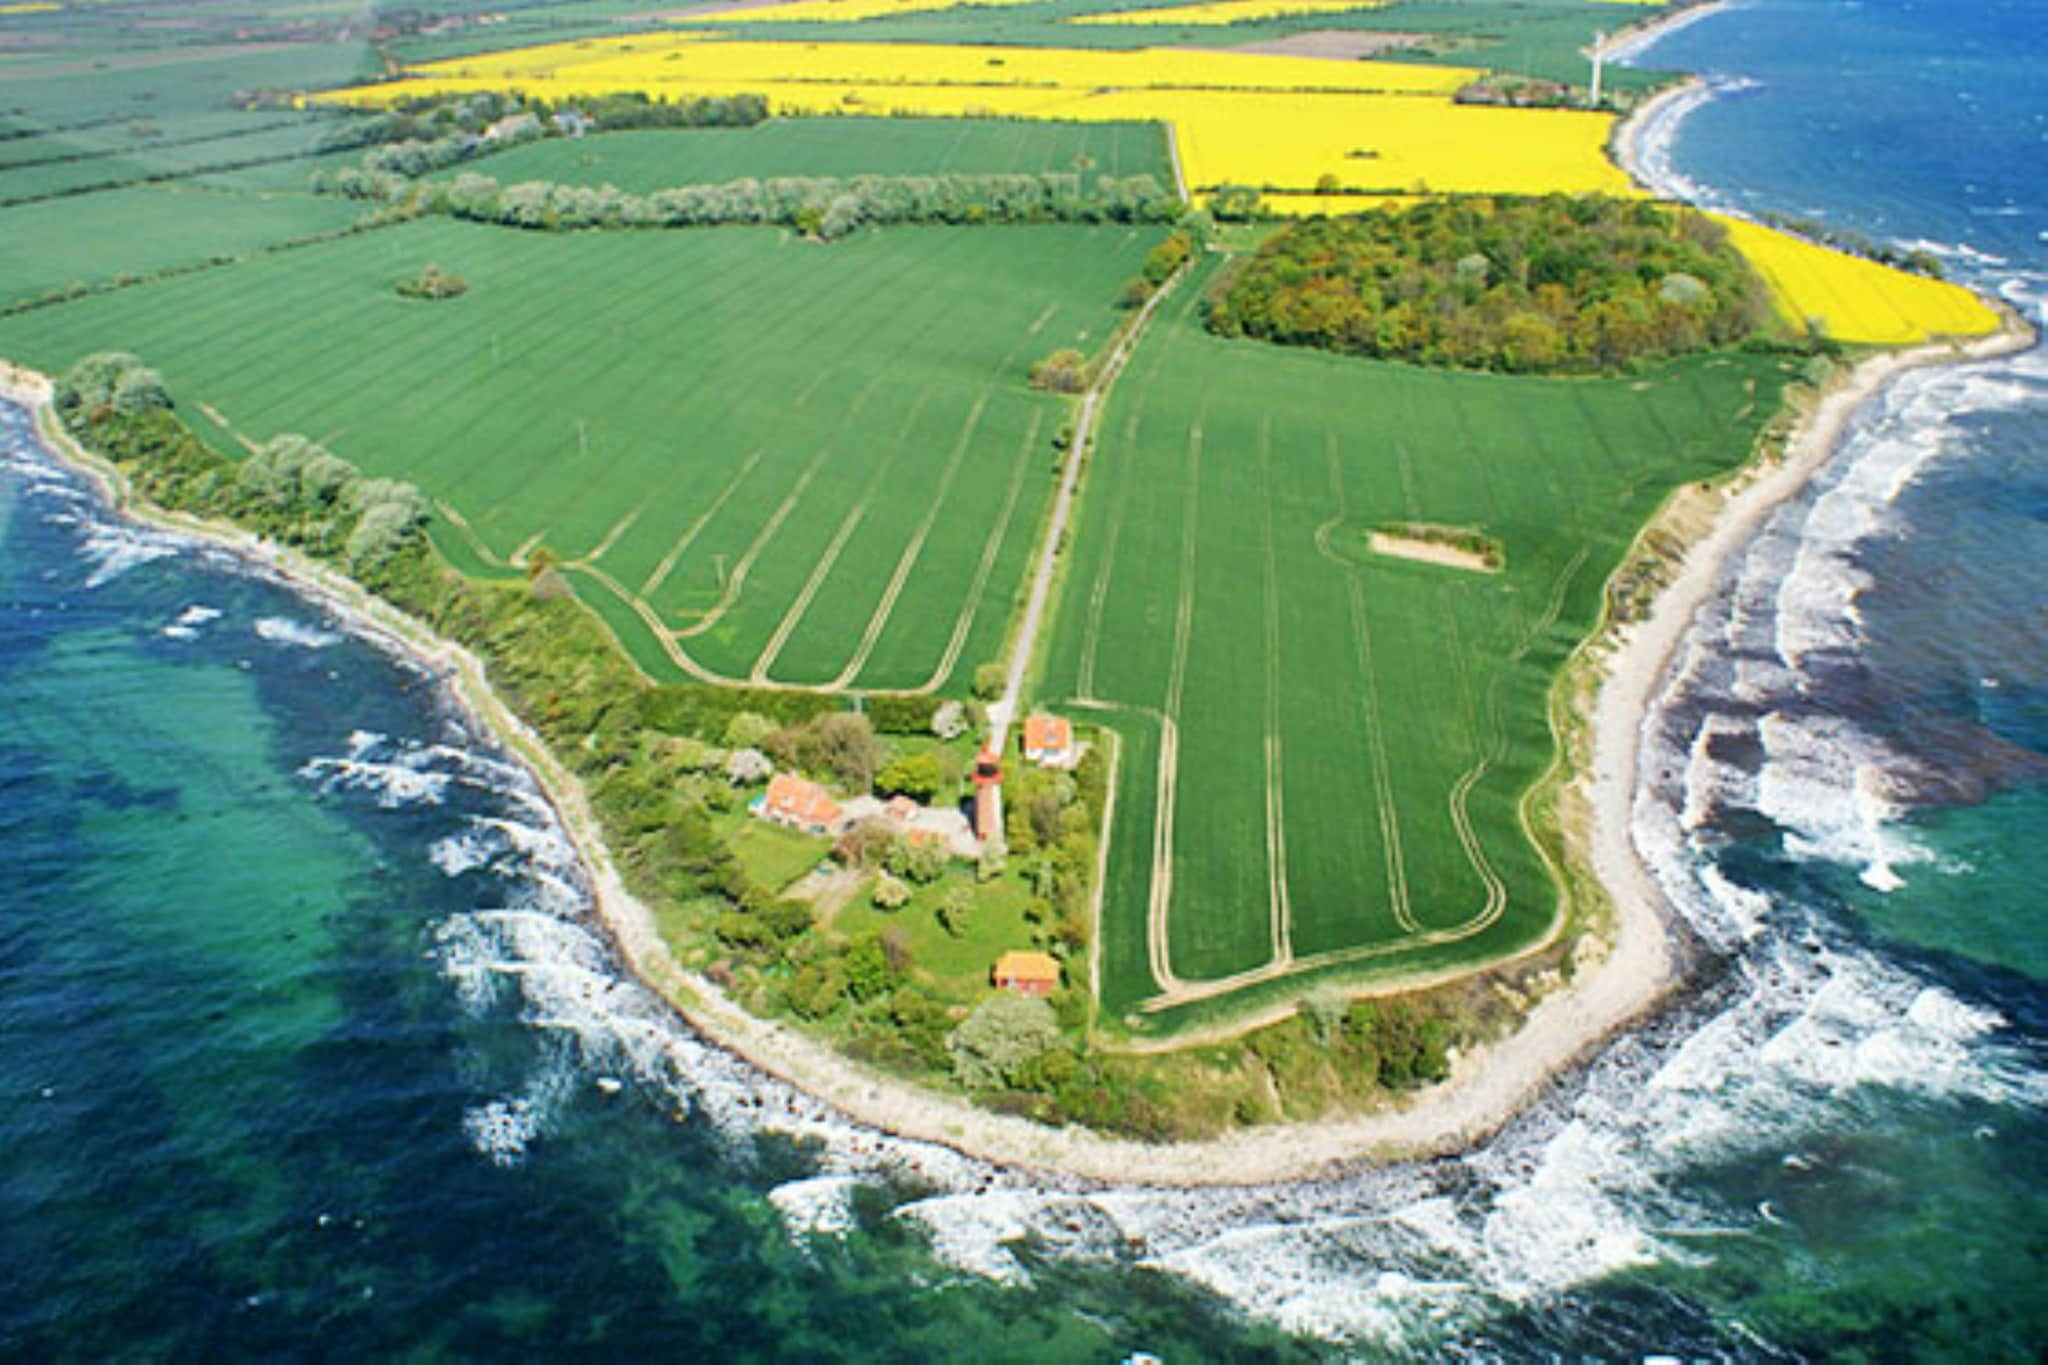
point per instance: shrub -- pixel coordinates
(1064, 371)
(747, 729)
(1003, 1036)
(433, 283)
(889, 893)
(915, 776)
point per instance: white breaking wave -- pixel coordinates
(115, 547)
(399, 774)
(819, 1206)
(1657, 139)
(1396, 1258)
(1392, 1260)
(282, 630)
(1824, 782)
(186, 626)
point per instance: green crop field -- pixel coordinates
(639, 162)
(96, 238)
(759, 457)
(256, 139)
(1325, 751)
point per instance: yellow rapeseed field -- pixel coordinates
(839, 11)
(31, 7)
(659, 59)
(1218, 12)
(1385, 143)
(1856, 300)
(1281, 123)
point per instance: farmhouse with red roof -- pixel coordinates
(1049, 740)
(798, 804)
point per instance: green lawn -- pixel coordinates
(639, 162)
(806, 463)
(773, 856)
(1348, 742)
(959, 967)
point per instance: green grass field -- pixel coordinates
(761, 458)
(639, 162)
(1324, 760)
(96, 238)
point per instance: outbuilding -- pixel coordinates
(1026, 973)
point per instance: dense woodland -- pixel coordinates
(1556, 284)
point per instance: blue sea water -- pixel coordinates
(308, 1046)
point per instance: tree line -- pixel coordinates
(822, 206)
(1527, 285)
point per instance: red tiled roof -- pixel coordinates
(1047, 733)
(1026, 967)
(793, 798)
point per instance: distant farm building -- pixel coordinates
(1026, 973)
(1049, 741)
(797, 804)
(512, 126)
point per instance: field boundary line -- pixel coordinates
(1026, 641)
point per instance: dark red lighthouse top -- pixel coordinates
(988, 767)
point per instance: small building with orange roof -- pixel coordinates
(1049, 740)
(1026, 973)
(796, 803)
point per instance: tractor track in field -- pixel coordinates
(1361, 636)
(906, 562)
(1280, 908)
(820, 571)
(1158, 926)
(983, 571)
(611, 537)
(675, 552)
(738, 577)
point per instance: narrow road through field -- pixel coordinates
(1005, 708)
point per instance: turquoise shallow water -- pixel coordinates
(307, 1046)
